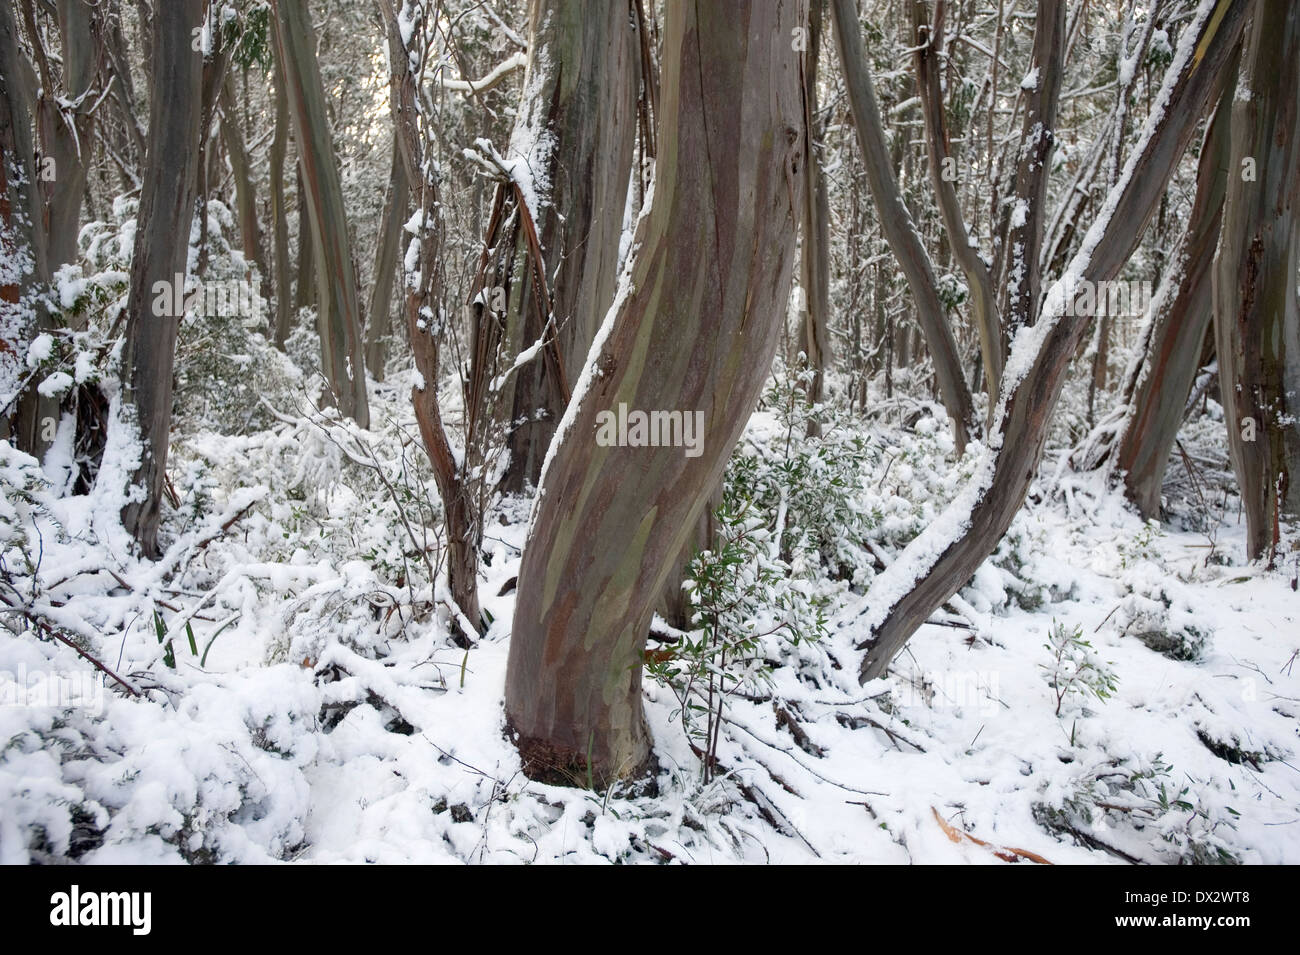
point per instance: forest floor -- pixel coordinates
(313, 707)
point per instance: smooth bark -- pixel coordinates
(697, 328)
(167, 202)
(338, 303)
(897, 226)
(1255, 305)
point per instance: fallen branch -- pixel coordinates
(1005, 853)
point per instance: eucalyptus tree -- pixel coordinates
(695, 326)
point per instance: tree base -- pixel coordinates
(545, 762)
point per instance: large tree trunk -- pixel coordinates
(339, 309)
(1156, 395)
(897, 226)
(161, 248)
(945, 556)
(1255, 305)
(581, 88)
(696, 328)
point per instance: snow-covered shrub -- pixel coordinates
(811, 487)
(216, 776)
(1157, 612)
(225, 366)
(1114, 805)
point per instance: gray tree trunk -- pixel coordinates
(706, 300)
(581, 86)
(1255, 305)
(897, 226)
(397, 203)
(1156, 396)
(338, 304)
(167, 199)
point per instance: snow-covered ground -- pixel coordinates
(334, 719)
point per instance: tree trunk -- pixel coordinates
(250, 231)
(897, 226)
(1255, 275)
(339, 309)
(1023, 284)
(284, 305)
(928, 43)
(695, 330)
(388, 249)
(167, 199)
(1156, 395)
(581, 87)
(945, 556)
(815, 254)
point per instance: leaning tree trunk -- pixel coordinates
(1255, 275)
(897, 226)
(928, 44)
(945, 556)
(697, 324)
(1156, 396)
(581, 89)
(339, 309)
(167, 197)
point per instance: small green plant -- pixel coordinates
(746, 608)
(1141, 547)
(1075, 666)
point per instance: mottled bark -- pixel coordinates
(1255, 275)
(897, 226)
(338, 303)
(706, 298)
(1156, 396)
(167, 199)
(936, 565)
(581, 87)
